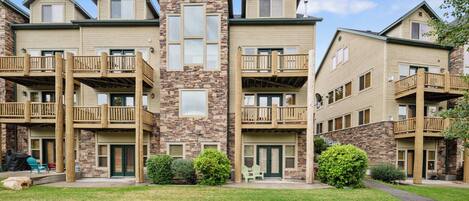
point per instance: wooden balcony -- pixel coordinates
(27, 112)
(111, 71)
(289, 117)
(113, 117)
(274, 71)
(28, 70)
(433, 127)
(437, 87)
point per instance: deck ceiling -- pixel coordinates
(32, 81)
(274, 82)
(432, 96)
(274, 131)
(110, 82)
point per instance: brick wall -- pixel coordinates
(188, 130)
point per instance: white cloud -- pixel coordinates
(342, 7)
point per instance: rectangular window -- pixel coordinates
(248, 155)
(340, 56)
(364, 117)
(212, 57)
(174, 57)
(102, 155)
(102, 99)
(420, 31)
(339, 93)
(264, 8)
(346, 54)
(330, 125)
(348, 89)
(194, 21)
(271, 8)
(334, 63)
(415, 31)
(431, 160)
(122, 9)
(193, 51)
(365, 81)
(213, 24)
(36, 149)
(401, 159)
(330, 97)
(174, 26)
(210, 146)
(176, 151)
(318, 128)
(289, 156)
(53, 13)
(249, 100)
(402, 112)
(338, 123)
(193, 103)
(348, 121)
(145, 155)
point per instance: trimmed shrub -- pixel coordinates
(159, 169)
(343, 165)
(212, 167)
(387, 173)
(183, 169)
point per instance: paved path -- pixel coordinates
(402, 195)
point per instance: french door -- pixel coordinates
(122, 100)
(122, 160)
(269, 158)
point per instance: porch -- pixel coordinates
(282, 117)
(27, 112)
(433, 127)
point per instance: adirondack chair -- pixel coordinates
(256, 171)
(247, 174)
(35, 166)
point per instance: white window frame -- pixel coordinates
(203, 144)
(282, 14)
(202, 37)
(120, 18)
(215, 42)
(254, 155)
(176, 143)
(422, 37)
(295, 157)
(108, 154)
(193, 116)
(52, 14)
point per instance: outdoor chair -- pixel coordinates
(35, 166)
(256, 171)
(247, 174)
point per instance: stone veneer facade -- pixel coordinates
(193, 131)
(11, 139)
(376, 139)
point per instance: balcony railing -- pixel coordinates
(274, 63)
(273, 116)
(431, 125)
(105, 115)
(27, 112)
(443, 82)
(27, 64)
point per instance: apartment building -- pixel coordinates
(104, 93)
(381, 91)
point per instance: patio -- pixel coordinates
(41, 178)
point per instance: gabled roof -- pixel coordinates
(16, 8)
(82, 10)
(424, 5)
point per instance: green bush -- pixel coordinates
(183, 169)
(343, 165)
(212, 167)
(387, 173)
(320, 145)
(159, 169)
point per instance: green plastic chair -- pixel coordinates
(256, 171)
(32, 162)
(247, 174)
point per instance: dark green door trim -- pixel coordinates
(125, 149)
(268, 171)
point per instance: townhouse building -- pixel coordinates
(388, 89)
(97, 96)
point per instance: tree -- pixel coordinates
(455, 33)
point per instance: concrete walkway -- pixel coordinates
(402, 195)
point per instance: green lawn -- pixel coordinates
(192, 193)
(437, 193)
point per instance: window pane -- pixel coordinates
(415, 30)
(211, 146)
(431, 155)
(264, 8)
(193, 103)
(340, 56)
(248, 150)
(338, 123)
(348, 121)
(362, 82)
(346, 54)
(331, 97)
(431, 165)
(339, 93)
(102, 162)
(194, 21)
(360, 118)
(277, 6)
(249, 100)
(102, 150)
(348, 89)
(400, 155)
(174, 57)
(57, 13)
(102, 99)
(248, 161)
(289, 162)
(330, 125)
(402, 112)
(193, 51)
(47, 13)
(367, 116)
(289, 150)
(34, 144)
(400, 165)
(334, 63)
(145, 150)
(212, 28)
(173, 28)
(36, 154)
(403, 71)
(368, 80)
(116, 9)
(175, 150)
(212, 57)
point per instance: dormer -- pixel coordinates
(269, 8)
(414, 25)
(126, 10)
(55, 11)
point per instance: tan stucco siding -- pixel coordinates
(403, 30)
(36, 10)
(270, 36)
(289, 9)
(402, 54)
(365, 54)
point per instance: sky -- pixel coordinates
(372, 15)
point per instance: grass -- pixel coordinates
(437, 193)
(192, 193)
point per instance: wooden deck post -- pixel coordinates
(447, 82)
(310, 119)
(466, 164)
(104, 115)
(104, 64)
(69, 132)
(139, 177)
(27, 111)
(238, 129)
(274, 116)
(26, 64)
(419, 126)
(274, 63)
(59, 114)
